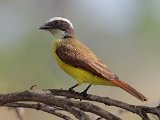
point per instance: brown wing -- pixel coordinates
(74, 53)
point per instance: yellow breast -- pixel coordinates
(80, 75)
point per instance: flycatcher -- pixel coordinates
(79, 61)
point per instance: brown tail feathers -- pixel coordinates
(129, 89)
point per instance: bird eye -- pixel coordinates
(56, 22)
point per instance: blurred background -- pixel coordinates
(123, 33)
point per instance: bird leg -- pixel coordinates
(85, 91)
(71, 88)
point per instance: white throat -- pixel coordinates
(58, 34)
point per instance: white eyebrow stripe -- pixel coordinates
(60, 18)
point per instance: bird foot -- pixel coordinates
(84, 95)
(71, 88)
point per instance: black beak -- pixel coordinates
(45, 27)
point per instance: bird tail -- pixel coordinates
(129, 89)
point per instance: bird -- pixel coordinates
(77, 60)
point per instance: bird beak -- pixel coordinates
(45, 27)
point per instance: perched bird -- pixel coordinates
(79, 61)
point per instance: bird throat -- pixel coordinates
(58, 34)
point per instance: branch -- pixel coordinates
(39, 106)
(74, 107)
(51, 102)
(139, 110)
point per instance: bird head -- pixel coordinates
(59, 27)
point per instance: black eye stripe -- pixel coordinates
(62, 25)
(50, 24)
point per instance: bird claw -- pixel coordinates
(71, 90)
(84, 95)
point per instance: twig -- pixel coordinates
(19, 112)
(40, 106)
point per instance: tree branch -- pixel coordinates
(50, 101)
(40, 106)
(139, 110)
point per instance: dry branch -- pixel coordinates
(39, 106)
(49, 101)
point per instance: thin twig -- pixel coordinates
(40, 106)
(19, 112)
